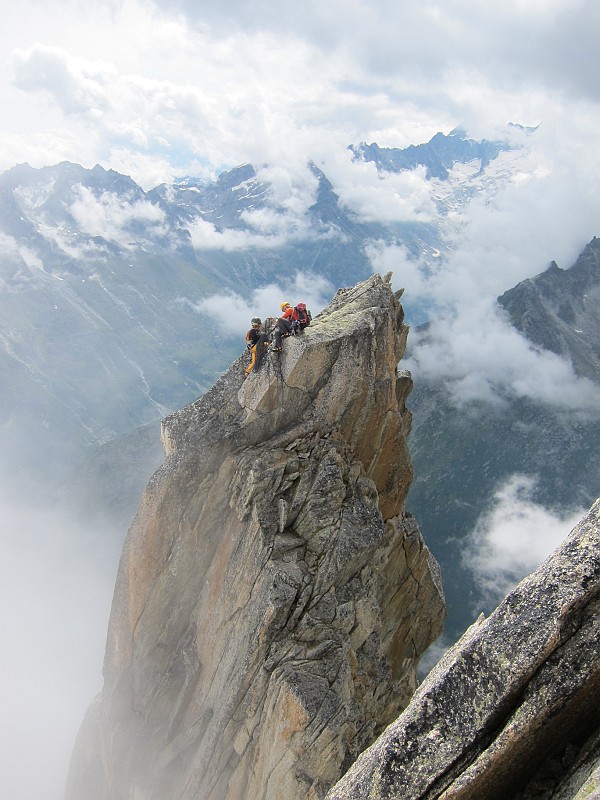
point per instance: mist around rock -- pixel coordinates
(56, 583)
(60, 543)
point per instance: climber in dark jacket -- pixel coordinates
(256, 342)
(283, 326)
(253, 335)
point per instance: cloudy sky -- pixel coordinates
(163, 89)
(168, 88)
(55, 589)
(155, 89)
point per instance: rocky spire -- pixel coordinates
(274, 596)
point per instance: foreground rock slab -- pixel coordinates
(274, 596)
(512, 711)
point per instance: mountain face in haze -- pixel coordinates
(559, 311)
(438, 156)
(99, 280)
(98, 284)
(95, 338)
(274, 595)
(467, 454)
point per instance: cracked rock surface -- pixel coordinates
(512, 711)
(274, 596)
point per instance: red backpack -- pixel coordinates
(302, 315)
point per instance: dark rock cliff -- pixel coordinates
(559, 310)
(274, 596)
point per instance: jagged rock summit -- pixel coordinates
(512, 711)
(558, 310)
(274, 596)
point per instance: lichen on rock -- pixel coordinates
(511, 712)
(274, 595)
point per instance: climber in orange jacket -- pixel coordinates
(283, 326)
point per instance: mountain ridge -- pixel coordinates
(100, 278)
(557, 310)
(438, 155)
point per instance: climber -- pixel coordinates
(283, 326)
(256, 341)
(253, 334)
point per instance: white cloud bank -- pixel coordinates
(161, 88)
(513, 537)
(508, 542)
(232, 314)
(56, 583)
(113, 218)
(481, 358)
(548, 210)
(79, 86)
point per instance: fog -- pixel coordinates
(232, 313)
(56, 586)
(512, 538)
(509, 541)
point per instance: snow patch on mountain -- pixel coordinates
(33, 196)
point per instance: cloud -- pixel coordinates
(139, 84)
(56, 585)
(19, 263)
(111, 217)
(232, 313)
(380, 197)
(77, 84)
(566, 53)
(535, 208)
(418, 44)
(480, 357)
(272, 229)
(283, 216)
(278, 230)
(8, 245)
(529, 207)
(293, 187)
(414, 275)
(64, 240)
(513, 537)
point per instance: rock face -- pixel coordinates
(274, 596)
(558, 310)
(513, 710)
